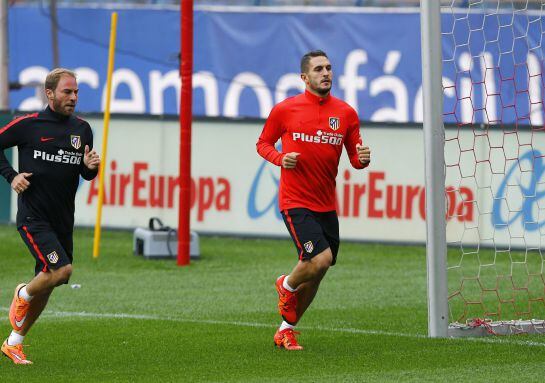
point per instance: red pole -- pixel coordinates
(186, 72)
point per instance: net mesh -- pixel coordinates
(493, 87)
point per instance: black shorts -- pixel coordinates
(313, 232)
(50, 249)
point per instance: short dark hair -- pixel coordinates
(53, 77)
(306, 59)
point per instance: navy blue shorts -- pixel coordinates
(313, 232)
(50, 249)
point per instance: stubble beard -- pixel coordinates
(65, 110)
(323, 91)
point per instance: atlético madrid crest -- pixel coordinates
(309, 247)
(53, 257)
(75, 141)
(334, 123)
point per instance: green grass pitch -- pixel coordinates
(135, 320)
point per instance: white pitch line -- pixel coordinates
(84, 314)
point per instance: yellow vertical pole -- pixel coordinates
(113, 29)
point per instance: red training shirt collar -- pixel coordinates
(317, 99)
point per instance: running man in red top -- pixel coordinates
(313, 128)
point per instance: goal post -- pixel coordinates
(434, 141)
(483, 85)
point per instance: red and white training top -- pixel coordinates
(317, 128)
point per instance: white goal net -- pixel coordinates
(493, 88)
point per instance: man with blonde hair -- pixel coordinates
(55, 149)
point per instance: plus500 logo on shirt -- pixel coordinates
(62, 157)
(319, 138)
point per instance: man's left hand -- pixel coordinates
(364, 154)
(91, 158)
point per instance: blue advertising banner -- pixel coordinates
(246, 61)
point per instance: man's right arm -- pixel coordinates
(272, 131)
(6, 170)
(10, 135)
